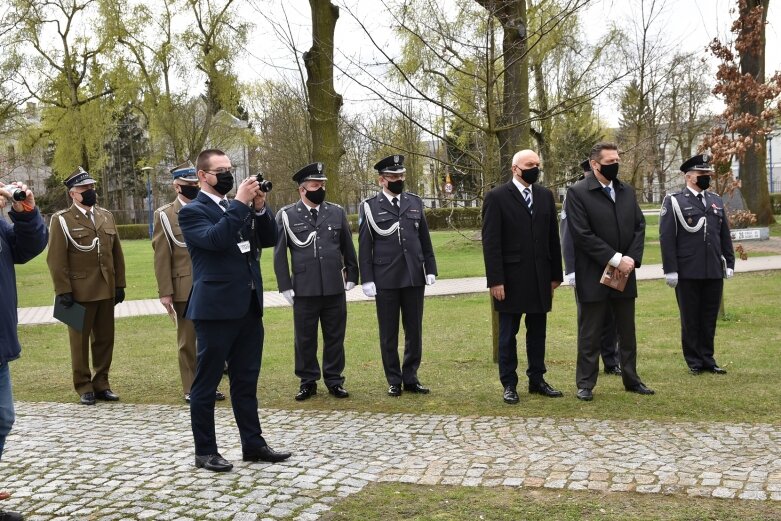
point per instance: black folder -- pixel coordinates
(72, 316)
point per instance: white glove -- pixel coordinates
(369, 289)
(289, 294)
(571, 279)
(431, 279)
(349, 285)
(730, 273)
(671, 279)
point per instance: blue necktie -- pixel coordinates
(527, 195)
(608, 191)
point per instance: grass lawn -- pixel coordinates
(458, 254)
(442, 503)
(457, 362)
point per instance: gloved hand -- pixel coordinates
(349, 285)
(289, 294)
(671, 279)
(119, 295)
(570, 279)
(66, 299)
(369, 289)
(431, 279)
(730, 273)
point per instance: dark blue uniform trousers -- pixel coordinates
(409, 302)
(699, 301)
(240, 342)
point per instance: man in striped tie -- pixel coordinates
(522, 256)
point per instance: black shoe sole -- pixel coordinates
(511, 402)
(213, 469)
(547, 395)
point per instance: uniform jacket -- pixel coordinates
(521, 249)
(173, 269)
(600, 228)
(695, 255)
(322, 267)
(401, 259)
(223, 276)
(19, 243)
(89, 275)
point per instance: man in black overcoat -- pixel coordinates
(522, 257)
(608, 228)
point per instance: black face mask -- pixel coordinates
(315, 196)
(224, 183)
(189, 192)
(531, 175)
(396, 187)
(703, 182)
(89, 197)
(609, 172)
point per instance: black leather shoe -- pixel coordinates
(213, 462)
(394, 390)
(107, 395)
(544, 389)
(614, 370)
(717, 370)
(218, 396)
(338, 391)
(87, 399)
(306, 392)
(10, 516)
(640, 389)
(265, 454)
(416, 388)
(510, 395)
(187, 397)
(695, 371)
(585, 394)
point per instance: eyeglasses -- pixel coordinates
(230, 171)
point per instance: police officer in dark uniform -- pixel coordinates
(609, 345)
(324, 265)
(397, 261)
(697, 255)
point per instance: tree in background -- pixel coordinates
(324, 102)
(753, 106)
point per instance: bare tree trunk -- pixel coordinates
(753, 165)
(324, 102)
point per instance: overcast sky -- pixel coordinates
(687, 25)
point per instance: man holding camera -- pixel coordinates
(324, 266)
(19, 243)
(173, 269)
(87, 266)
(225, 238)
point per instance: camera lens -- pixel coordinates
(18, 194)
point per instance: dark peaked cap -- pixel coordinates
(391, 165)
(311, 172)
(700, 162)
(185, 172)
(79, 177)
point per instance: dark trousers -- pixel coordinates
(509, 324)
(698, 302)
(97, 336)
(591, 323)
(609, 344)
(409, 302)
(331, 313)
(240, 342)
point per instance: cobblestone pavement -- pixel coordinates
(116, 461)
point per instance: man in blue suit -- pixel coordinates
(224, 238)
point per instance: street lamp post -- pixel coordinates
(770, 149)
(147, 170)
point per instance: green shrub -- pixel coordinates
(133, 231)
(775, 202)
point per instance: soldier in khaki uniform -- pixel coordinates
(87, 266)
(173, 269)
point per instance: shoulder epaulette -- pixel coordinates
(333, 204)
(60, 212)
(167, 205)
(413, 194)
(284, 208)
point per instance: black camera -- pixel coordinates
(17, 194)
(265, 186)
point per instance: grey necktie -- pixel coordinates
(527, 195)
(224, 204)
